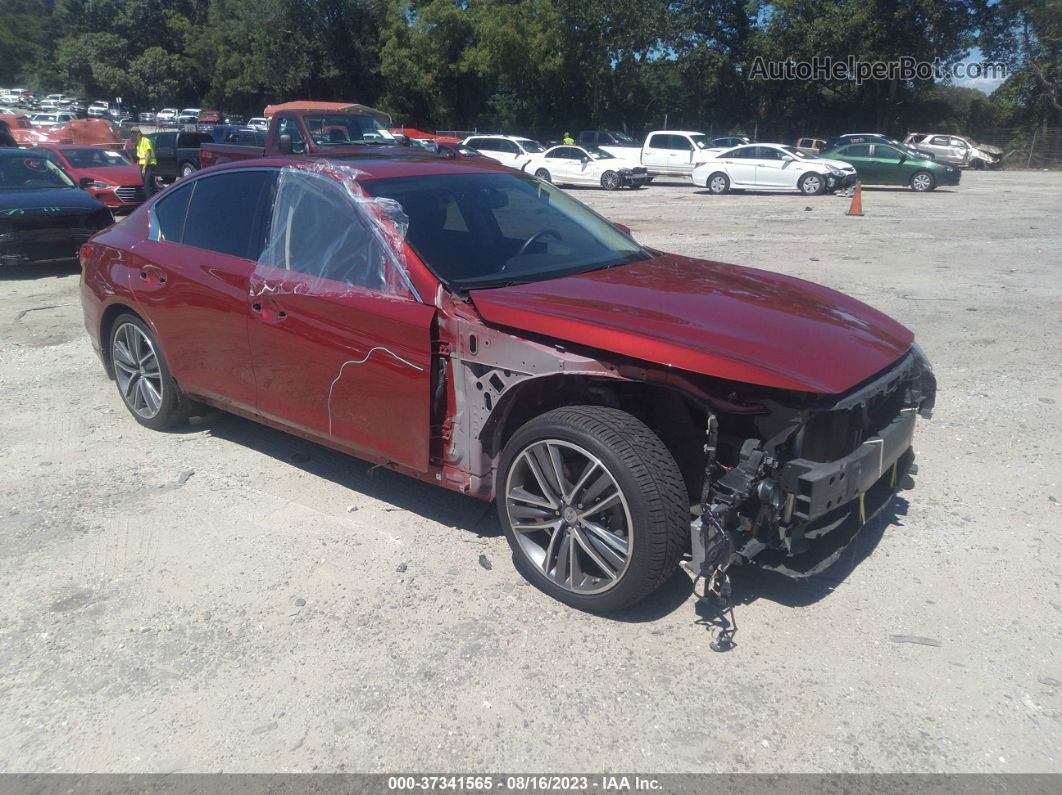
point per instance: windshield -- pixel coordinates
(598, 154)
(487, 230)
(623, 138)
(343, 129)
(31, 173)
(93, 158)
(531, 146)
(700, 140)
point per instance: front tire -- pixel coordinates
(187, 169)
(593, 506)
(610, 180)
(812, 184)
(718, 183)
(144, 381)
(922, 182)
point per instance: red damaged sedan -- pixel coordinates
(474, 327)
(105, 174)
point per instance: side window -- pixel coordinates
(767, 153)
(289, 127)
(483, 144)
(882, 150)
(658, 141)
(318, 231)
(958, 142)
(680, 143)
(169, 213)
(508, 147)
(939, 140)
(745, 153)
(223, 214)
(858, 150)
(48, 153)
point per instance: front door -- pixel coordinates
(858, 156)
(655, 153)
(340, 346)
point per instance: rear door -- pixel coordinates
(340, 344)
(741, 165)
(192, 280)
(166, 154)
(858, 155)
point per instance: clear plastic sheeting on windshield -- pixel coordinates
(327, 237)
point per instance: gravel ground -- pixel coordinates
(232, 598)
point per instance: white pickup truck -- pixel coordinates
(669, 153)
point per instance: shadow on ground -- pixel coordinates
(470, 515)
(52, 270)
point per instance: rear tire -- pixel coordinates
(718, 183)
(187, 169)
(143, 377)
(639, 535)
(543, 175)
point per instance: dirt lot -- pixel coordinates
(231, 598)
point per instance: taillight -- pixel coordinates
(85, 254)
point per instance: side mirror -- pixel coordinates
(450, 154)
(585, 160)
(284, 144)
(85, 182)
(623, 228)
(903, 158)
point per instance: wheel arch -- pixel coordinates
(667, 410)
(107, 320)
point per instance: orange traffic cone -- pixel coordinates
(856, 207)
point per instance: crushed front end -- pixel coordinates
(810, 473)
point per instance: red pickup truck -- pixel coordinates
(314, 133)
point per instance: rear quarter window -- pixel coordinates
(224, 213)
(169, 213)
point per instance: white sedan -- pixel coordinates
(772, 167)
(586, 165)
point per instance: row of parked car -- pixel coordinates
(613, 160)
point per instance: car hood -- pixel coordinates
(719, 320)
(57, 200)
(113, 175)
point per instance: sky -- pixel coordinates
(985, 84)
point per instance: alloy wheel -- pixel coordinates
(569, 515)
(610, 181)
(136, 369)
(717, 184)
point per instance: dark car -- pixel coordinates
(177, 152)
(473, 327)
(876, 138)
(887, 164)
(729, 141)
(44, 216)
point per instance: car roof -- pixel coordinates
(8, 152)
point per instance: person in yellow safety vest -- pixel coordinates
(145, 156)
(568, 139)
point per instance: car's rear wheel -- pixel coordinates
(143, 377)
(610, 180)
(593, 506)
(812, 184)
(718, 183)
(187, 169)
(543, 175)
(922, 181)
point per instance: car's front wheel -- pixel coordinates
(143, 377)
(187, 170)
(610, 180)
(812, 184)
(718, 183)
(922, 181)
(593, 506)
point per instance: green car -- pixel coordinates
(885, 164)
